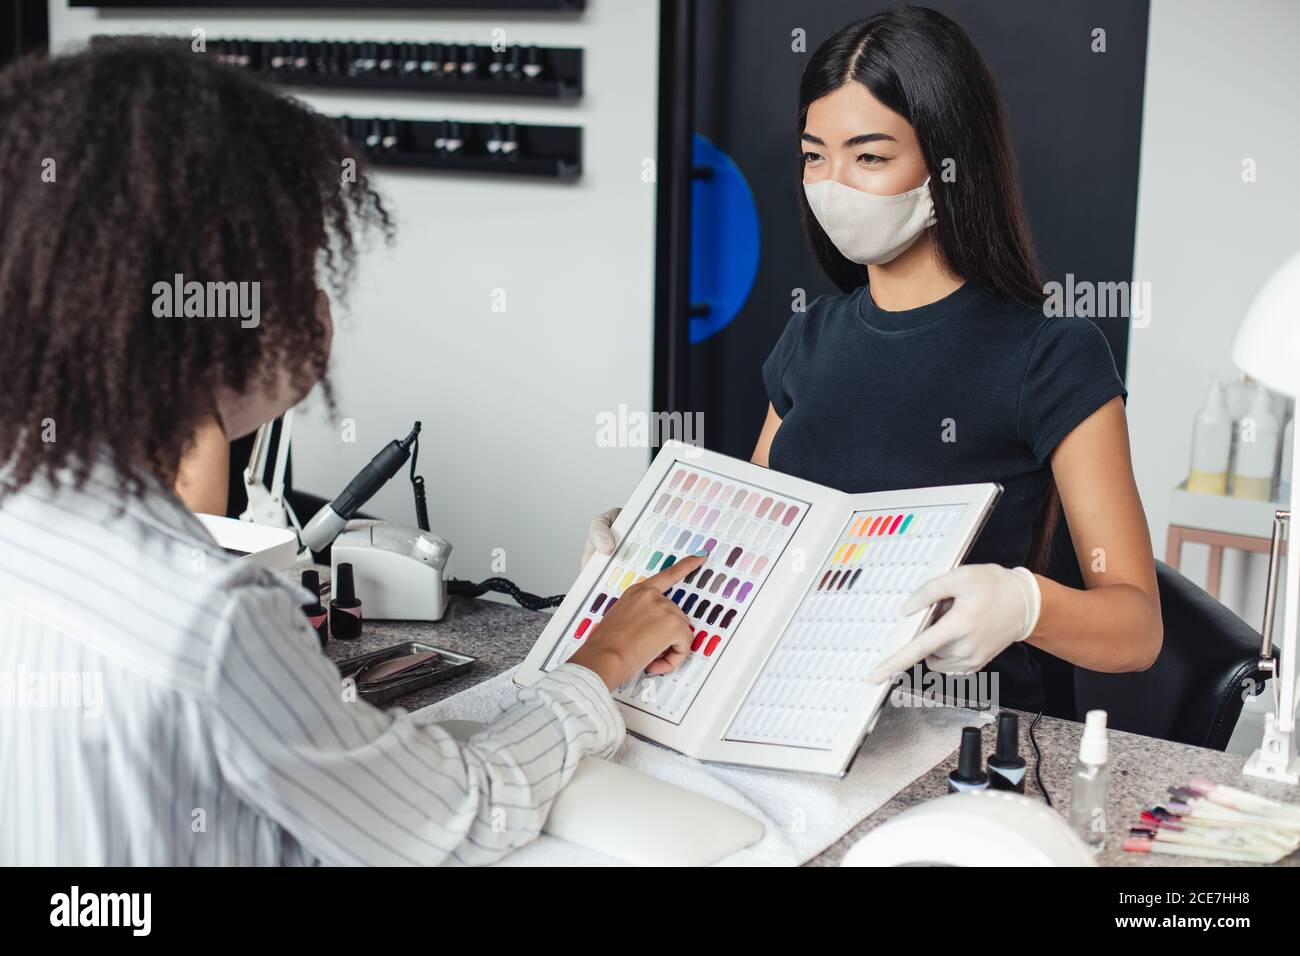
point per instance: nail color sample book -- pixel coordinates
(796, 603)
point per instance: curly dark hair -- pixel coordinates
(163, 163)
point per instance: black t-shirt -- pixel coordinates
(971, 388)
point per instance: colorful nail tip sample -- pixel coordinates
(817, 675)
(739, 528)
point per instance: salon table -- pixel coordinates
(500, 636)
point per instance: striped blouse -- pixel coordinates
(165, 703)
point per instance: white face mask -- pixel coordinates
(866, 228)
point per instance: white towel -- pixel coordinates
(803, 815)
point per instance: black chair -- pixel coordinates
(1193, 694)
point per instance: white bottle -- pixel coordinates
(1211, 444)
(1090, 783)
(1257, 436)
(1288, 451)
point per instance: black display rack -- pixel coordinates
(511, 149)
(420, 67)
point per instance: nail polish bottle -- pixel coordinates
(451, 60)
(454, 138)
(469, 65)
(410, 59)
(431, 63)
(1006, 766)
(493, 141)
(511, 68)
(969, 774)
(345, 609)
(391, 137)
(510, 142)
(317, 616)
(532, 63)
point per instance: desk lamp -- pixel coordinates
(1267, 348)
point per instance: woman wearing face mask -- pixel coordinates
(937, 365)
(208, 700)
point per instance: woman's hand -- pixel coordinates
(992, 608)
(600, 535)
(644, 632)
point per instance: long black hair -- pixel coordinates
(921, 65)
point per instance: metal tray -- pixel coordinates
(448, 665)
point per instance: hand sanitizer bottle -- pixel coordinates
(1090, 783)
(1211, 444)
(1257, 440)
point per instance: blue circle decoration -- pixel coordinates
(724, 240)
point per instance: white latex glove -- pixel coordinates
(992, 608)
(600, 535)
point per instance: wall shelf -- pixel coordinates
(418, 67)
(509, 149)
(1222, 513)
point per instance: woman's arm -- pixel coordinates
(1115, 624)
(203, 480)
(765, 437)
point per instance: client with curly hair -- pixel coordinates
(166, 224)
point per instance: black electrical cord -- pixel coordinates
(525, 600)
(1038, 758)
(417, 485)
(530, 602)
(1038, 754)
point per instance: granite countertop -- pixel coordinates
(500, 636)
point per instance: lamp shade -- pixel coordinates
(1267, 347)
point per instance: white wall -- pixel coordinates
(508, 400)
(1221, 87)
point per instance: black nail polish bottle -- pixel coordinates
(1006, 766)
(969, 774)
(317, 616)
(345, 609)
